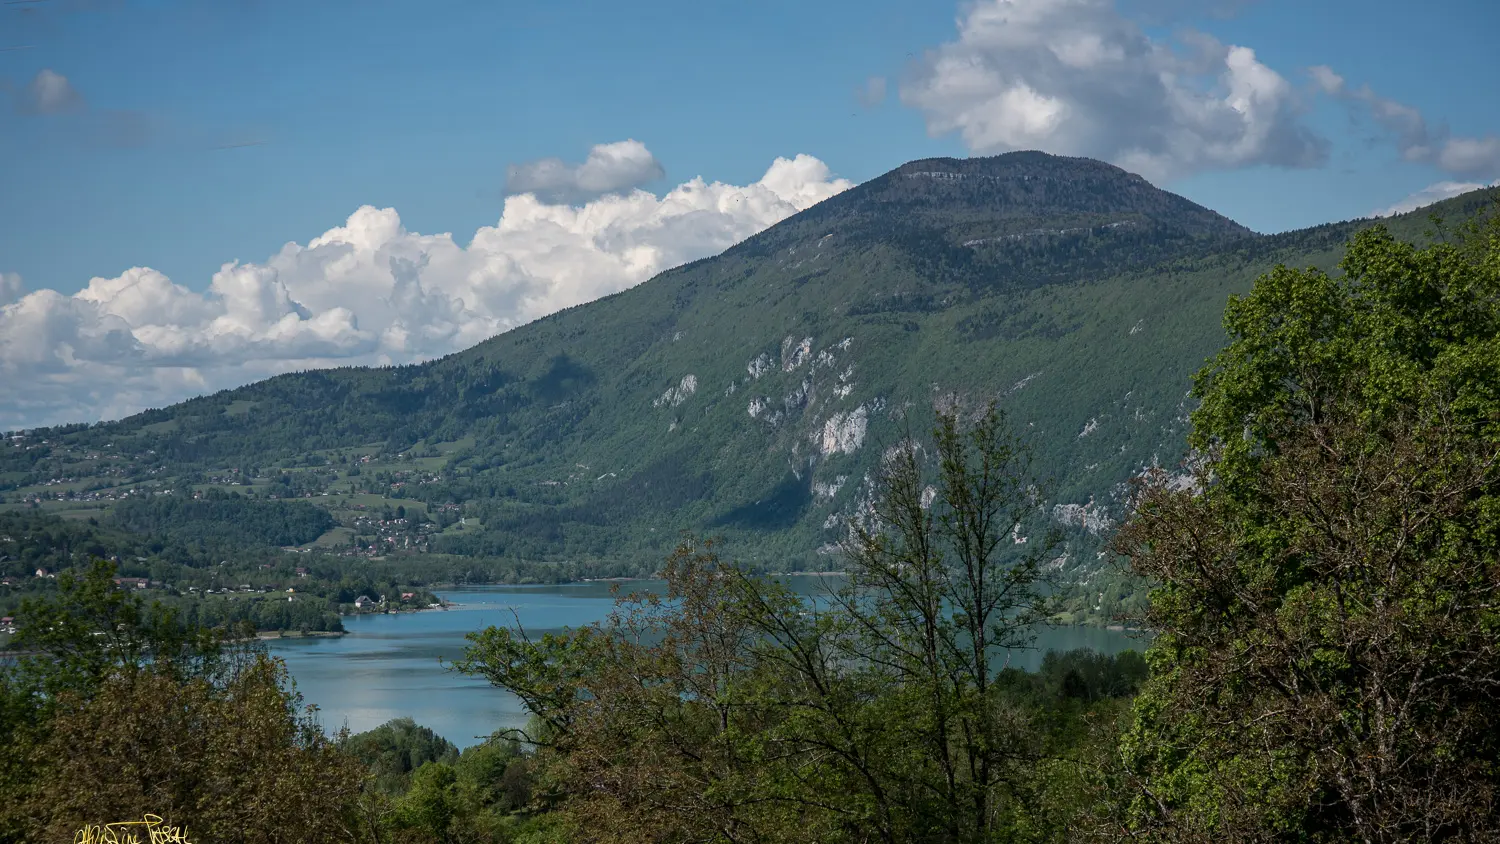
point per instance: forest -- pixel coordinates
(224, 575)
(227, 518)
(1323, 664)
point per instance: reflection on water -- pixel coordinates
(388, 665)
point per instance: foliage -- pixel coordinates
(248, 583)
(732, 709)
(224, 518)
(70, 644)
(425, 790)
(114, 706)
(395, 749)
(1326, 666)
(934, 597)
(73, 641)
(232, 762)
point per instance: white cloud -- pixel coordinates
(1075, 77)
(1465, 157)
(366, 292)
(610, 168)
(1324, 77)
(1430, 194)
(48, 92)
(1470, 156)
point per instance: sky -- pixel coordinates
(195, 195)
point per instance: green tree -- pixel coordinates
(119, 706)
(1327, 663)
(480, 796)
(731, 709)
(938, 592)
(397, 748)
(432, 803)
(70, 643)
(498, 773)
(89, 628)
(231, 763)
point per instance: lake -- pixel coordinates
(387, 666)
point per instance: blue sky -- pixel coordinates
(178, 136)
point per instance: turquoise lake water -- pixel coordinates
(387, 666)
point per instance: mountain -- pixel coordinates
(749, 395)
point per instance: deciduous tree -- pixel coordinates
(231, 763)
(1327, 665)
(732, 709)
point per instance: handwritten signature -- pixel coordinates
(129, 832)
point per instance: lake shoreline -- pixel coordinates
(568, 581)
(1060, 620)
(389, 666)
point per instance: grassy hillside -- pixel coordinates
(749, 395)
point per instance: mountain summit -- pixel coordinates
(751, 395)
(1019, 193)
(1006, 221)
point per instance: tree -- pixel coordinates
(938, 593)
(498, 773)
(119, 706)
(71, 643)
(432, 803)
(1327, 664)
(397, 748)
(732, 709)
(90, 628)
(231, 763)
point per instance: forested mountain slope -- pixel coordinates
(750, 395)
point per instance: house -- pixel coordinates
(132, 582)
(301, 571)
(407, 596)
(41, 573)
(7, 625)
(363, 601)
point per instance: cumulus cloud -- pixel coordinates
(48, 92)
(1430, 194)
(609, 168)
(366, 292)
(1076, 77)
(1415, 139)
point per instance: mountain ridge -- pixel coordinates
(748, 394)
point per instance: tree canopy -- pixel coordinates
(117, 706)
(731, 709)
(1327, 663)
